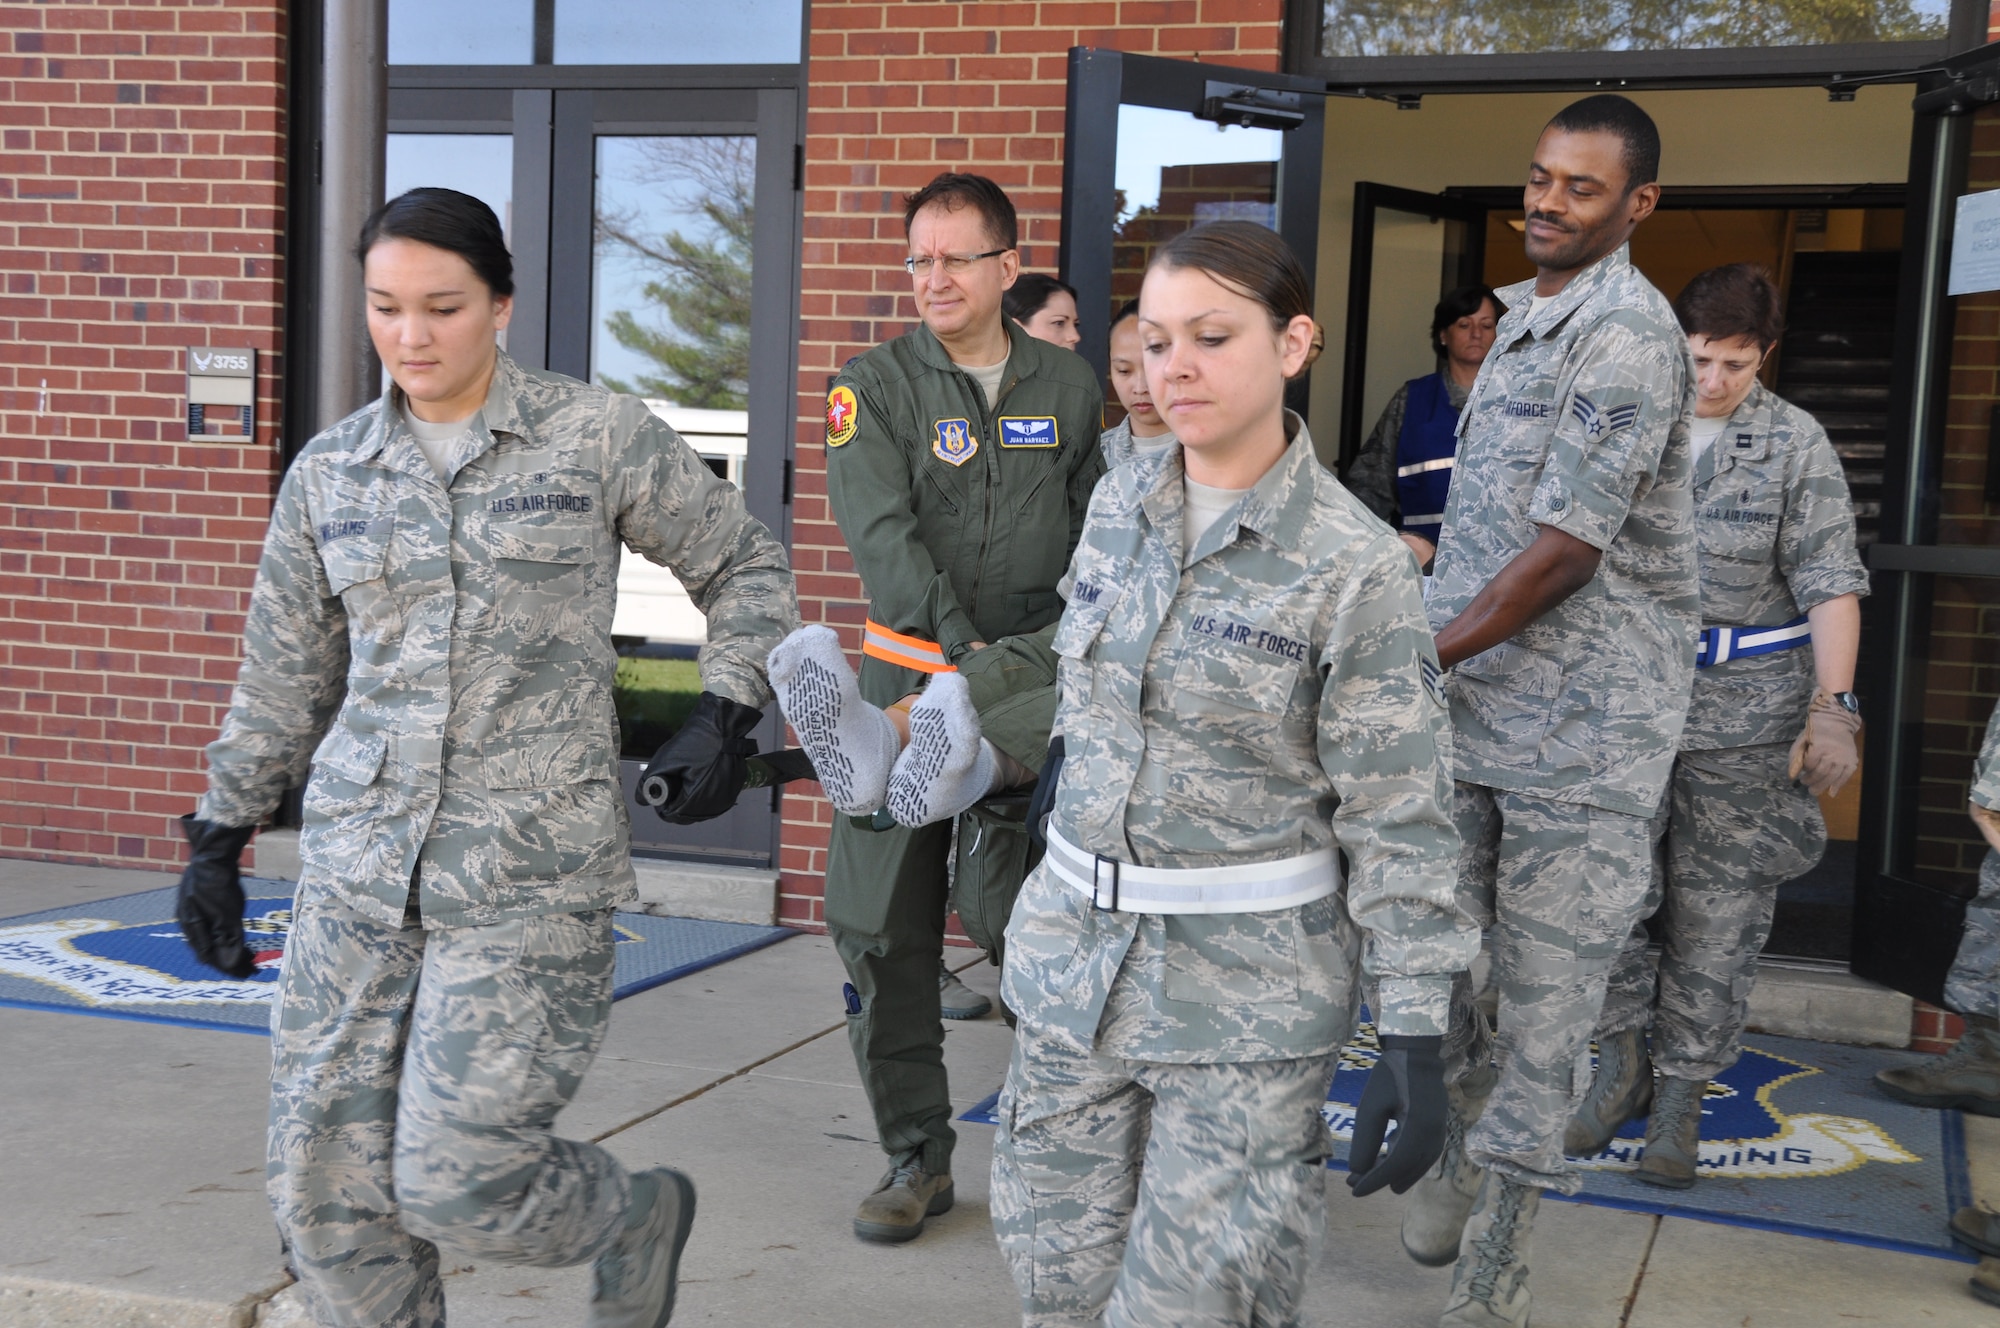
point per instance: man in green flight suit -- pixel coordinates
(960, 462)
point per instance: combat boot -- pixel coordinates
(1966, 1077)
(956, 1000)
(1439, 1203)
(1979, 1229)
(1489, 1287)
(1620, 1090)
(633, 1283)
(908, 1194)
(1673, 1134)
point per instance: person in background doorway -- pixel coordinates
(1045, 308)
(1249, 698)
(1772, 724)
(1403, 471)
(1566, 605)
(430, 630)
(1142, 428)
(1967, 1078)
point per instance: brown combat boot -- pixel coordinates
(1440, 1202)
(1966, 1078)
(908, 1194)
(1620, 1090)
(1673, 1134)
(1489, 1287)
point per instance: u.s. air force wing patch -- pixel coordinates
(1600, 422)
(843, 416)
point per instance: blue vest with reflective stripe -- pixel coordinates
(1424, 452)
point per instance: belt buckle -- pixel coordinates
(1099, 862)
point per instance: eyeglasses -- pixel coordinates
(953, 263)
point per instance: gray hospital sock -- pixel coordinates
(948, 765)
(851, 743)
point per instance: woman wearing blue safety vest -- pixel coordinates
(1403, 471)
(1772, 724)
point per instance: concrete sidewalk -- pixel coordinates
(131, 1163)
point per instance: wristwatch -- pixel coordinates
(1848, 701)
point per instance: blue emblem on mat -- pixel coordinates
(1029, 431)
(955, 442)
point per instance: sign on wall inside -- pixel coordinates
(1975, 244)
(221, 390)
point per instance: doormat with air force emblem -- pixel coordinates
(1794, 1138)
(124, 958)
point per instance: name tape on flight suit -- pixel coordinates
(1029, 431)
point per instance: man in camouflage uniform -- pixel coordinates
(1779, 572)
(1565, 598)
(1968, 1076)
(438, 648)
(960, 460)
(1218, 702)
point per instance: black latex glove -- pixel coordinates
(701, 768)
(1407, 1086)
(1043, 800)
(209, 902)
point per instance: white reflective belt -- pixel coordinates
(1429, 519)
(1253, 887)
(1425, 467)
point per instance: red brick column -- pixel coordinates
(141, 200)
(896, 93)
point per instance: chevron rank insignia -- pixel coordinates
(1600, 422)
(1029, 431)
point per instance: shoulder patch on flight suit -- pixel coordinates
(843, 416)
(1029, 431)
(955, 442)
(1600, 422)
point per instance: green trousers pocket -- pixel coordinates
(994, 858)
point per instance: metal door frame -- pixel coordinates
(1368, 198)
(1100, 82)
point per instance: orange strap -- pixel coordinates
(905, 652)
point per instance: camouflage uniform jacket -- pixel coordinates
(961, 519)
(1120, 446)
(1270, 700)
(451, 643)
(1776, 531)
(1986, 772)
(1578, 421)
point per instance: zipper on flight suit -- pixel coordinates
(986, 419)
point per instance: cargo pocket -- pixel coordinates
(555, 807)
(344, 768)
(994, 858)
(1231, 958)
(1510, 694)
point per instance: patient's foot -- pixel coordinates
(948, 766)
(851, 743)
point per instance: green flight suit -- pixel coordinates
(961, 520)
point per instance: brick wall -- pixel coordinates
(898, 92)
(141, 197)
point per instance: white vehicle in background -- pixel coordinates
(652, 606)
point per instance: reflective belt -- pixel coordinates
(1426, 467)
(1719, 645)
(905, 652)
(1253, 887)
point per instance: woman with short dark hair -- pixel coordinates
(1771, 727)
(1045, 307)
(430, 629)
(1403, 471)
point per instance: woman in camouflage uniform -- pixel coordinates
(430, 630)
(1248, 684)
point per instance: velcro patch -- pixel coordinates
(955, 442)
(843, 416)
(1029, 431)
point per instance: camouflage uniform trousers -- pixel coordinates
(1139, 1193)
(1734, 827)
(1973, 985)
(1556, 887)
(414, 1077)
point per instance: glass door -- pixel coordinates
(1932, 677)
(1409, 249)
(1154, 147)
(655, 241)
